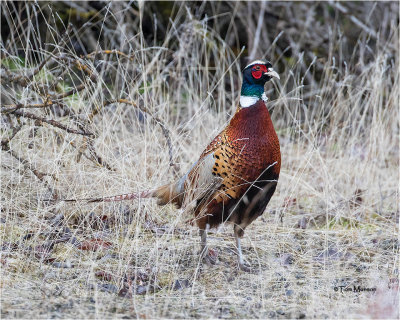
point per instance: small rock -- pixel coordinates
(105, 276)
(57, 220)
(301, 315)
(300, 276)
(66, 265)
(28, 236)
(390, 244)
(124, 292)
(289, 293)
(73, 240)
(303, 296)
(102, 235)
(330, 254)
(280, 311)
(286, 259)
(107, 287)
(302, 223)
(144, 289)
(272, 314)
(181, 284)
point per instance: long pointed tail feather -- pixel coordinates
(121, 197)
(169, 193)
(127, 196)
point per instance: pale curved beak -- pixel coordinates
(272, 73)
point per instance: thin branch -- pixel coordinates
(357, 21)
(5, 142)
(98, 158)
(117, 52)
(52, 122)
(74, 90)
(38, 174)
(95, 158)
(164, 129)
(10, 108)
(23, 78)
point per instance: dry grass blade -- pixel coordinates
(164, 129)
(132, 89)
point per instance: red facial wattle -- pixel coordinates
(258, 70)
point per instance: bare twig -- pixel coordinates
(357, 21)
(45, 61)
(10, 108)
(95, 158)
(74, 90)
(164, 129)
(38, 174)
(98, 158)
(52, 122)
(5, 142)
(24, 78)
(92, 55)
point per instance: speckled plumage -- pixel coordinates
(245, 152)
(236, 175)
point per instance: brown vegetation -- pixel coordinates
(105, 98)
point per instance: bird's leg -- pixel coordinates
(237, 230)
(204, 253)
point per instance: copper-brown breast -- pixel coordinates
(244, 150)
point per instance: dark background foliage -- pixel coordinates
(294, 28)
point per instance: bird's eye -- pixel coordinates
(257, 67)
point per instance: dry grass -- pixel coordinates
(332, 222)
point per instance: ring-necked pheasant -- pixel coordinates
(236, 175)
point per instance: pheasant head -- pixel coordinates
(255, 75)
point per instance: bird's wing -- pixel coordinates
(225, 170)
(218, 174)
(200, 182)
(236, 166)
(197, 183)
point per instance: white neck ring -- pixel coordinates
(248, 101)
